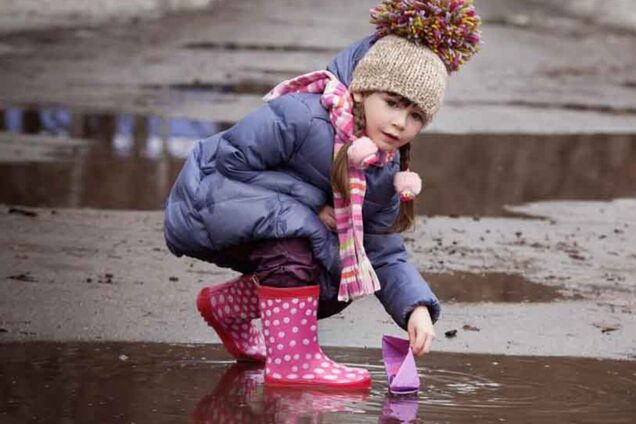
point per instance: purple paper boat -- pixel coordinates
(400, 365)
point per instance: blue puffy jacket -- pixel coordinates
(268, 176)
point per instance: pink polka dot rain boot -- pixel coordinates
(294, 357)
(229, 308)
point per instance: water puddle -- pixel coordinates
(134, 159)
(131, 163)
(478, 174)
(489, 287)
(132, 382)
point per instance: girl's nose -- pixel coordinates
(399, 120)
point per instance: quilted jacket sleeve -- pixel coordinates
(403, 288)
(253, 149)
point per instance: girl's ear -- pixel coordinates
(357, 96)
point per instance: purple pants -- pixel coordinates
(282, 263)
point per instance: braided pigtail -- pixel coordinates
(339, 174)
(406, 215)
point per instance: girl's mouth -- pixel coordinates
(391, 137)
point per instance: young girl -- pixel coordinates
(307, 195)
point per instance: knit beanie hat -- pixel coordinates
(399, 66)
(419, 44)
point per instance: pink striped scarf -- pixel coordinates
(358, 277)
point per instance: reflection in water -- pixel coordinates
(240, 397)
(127, 133)
(12, 121)
(478, 174)
(399, 409)
(133, 382)
(234, 399)
(131, 166)
(137, 158)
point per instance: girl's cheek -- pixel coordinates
(416, 125)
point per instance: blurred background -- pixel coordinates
(126, 88)
(526, 223)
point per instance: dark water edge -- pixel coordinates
(138, 382)
(490, 287)
(135, 159)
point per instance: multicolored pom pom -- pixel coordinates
(450, 28)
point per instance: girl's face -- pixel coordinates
(391, 121)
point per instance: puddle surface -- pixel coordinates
(489, 287)
(479, 174)
(132, 382)
(135, 159)
(131, 164)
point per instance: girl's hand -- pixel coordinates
(328, 217)
(421, 332)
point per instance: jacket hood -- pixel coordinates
(345, 62)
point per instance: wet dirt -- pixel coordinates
(133, 382)
(489, 287)
(138, 157)
(233, 46)
(201, 87)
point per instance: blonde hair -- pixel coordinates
(340, 177)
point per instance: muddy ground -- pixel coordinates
(541, 68)
(106, 275)
(86, 274)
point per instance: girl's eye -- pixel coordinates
(391, 103)
(417, 116)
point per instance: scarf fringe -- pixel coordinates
(366, 281)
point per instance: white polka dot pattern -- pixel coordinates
(294, 352)
(230, 308)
